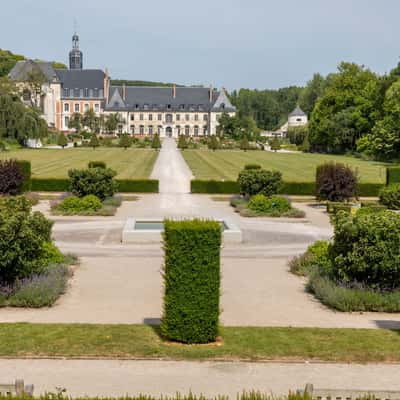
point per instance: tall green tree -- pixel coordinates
(62, 140)
(111, 123)
(311, 93)
(89, 119)
(75, 122)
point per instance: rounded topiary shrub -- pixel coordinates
(259, 181)
(389, 196)
(335, 182)
(90, 203)
(366, 249)
(262, 204)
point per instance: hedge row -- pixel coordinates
(26, 172)
(192, 281)
(124, 185)
(392, 175)
(290, 188)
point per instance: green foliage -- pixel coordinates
(50, 185)
(7, 61)
(75, 122)
(74, 205)
(392, 175)
(244, 144)
(212, 143)
(11, 177)
(335, 182)
(297, 134)
(312, 92)
(182, 142)
(125, 141)
(298, 188)
(96, 181)
(365, 250)
(259, 181)
(62, 140)
(94, 141)
(390, 196)
(275, 144)
(156, 142)
(214, 187)
(305, 147)
(22, 235)
(192, 281)
(50, 254)
(269, 205)
(26, 172)
(97, 164)
(252, 166)
(316, 257)
(237, 127)
(138, 185)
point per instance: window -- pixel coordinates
(182, 106)
(168, 118)
(205, 130)
(101, 94)
(187, 117)
(66, 92)
(95, 92)
(141, 130)
(141, 117)
(136, 106)
(66, 107)
(150, 117)
(178, 129)
(90, 92)
(196, 130)
(97, 107)
(76, 92)
(159, 129)
(133, 129)
(66, 122)
(159, 117)
(187, 130)
(168, 106)
(77, 108)
(86, 107)
(205, 117)
(132, 117)
(150, 129)
(178, 117)
(298, 120)
(196, 117)
(86, 92)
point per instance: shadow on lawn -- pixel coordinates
(388, 324)
(154, 323)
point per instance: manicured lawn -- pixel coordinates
(249, 343)
(54, 163)
(295, 167)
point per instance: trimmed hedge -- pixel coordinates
(124, 185)
(27, 173)
(289, 188)
(192, 280)
(97, 164)
(392, 175)
(137, 185)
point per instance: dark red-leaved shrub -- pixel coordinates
(11, 177)
(335, 182)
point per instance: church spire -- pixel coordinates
(75, 55)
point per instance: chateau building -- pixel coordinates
(142, 110)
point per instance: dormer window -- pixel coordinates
(182, 106)
(76, 92)
(95, 92)
(116, 103)
(136, 106)
(66, 92)
(86, 92)
(169, 106)
(223, 106)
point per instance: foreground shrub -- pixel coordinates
(335, 182)
(96, 181)
(11, 177)
(259, 181)
(265, 205)
(22, 237)
(316, 257)
(192, 281)
(87, 205)
(389, 196)
(366, 249)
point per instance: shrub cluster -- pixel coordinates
(389, 196)
(192, 281)
(23, 237)
(11, 177)
(259, 181)
(266, 205)
(77, 205)
(335, 182)
(96, 181)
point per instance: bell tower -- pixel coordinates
(75, 55)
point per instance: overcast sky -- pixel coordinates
(232, 43)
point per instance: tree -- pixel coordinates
(89, 119)
(244, 144)
(62, 140)
(75, 122)
(111, 123)
(156, 143)
(7, 61)
(182, 142)
(297, 134)
(125, 141)
(305, 147)
(311, 93)
(7, 87)
(213, 143)
(94, 141)
(35, 81)
(275, 144)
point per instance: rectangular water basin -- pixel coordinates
(150, 230)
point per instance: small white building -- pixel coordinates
(297, 118)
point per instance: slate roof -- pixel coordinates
(297, 112)
(162, 99)
(21, 70)
(81, 79)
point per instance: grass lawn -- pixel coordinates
(295, 167)
(55, 163)
(248, 343)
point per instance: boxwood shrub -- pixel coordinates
(27, 174)
(192, 281)
(389, 196)
(137, 185)
(392, 175)
(259, 181)
(50, 185)
(214, 187)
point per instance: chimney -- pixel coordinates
(106, 82)
(174, 91)
(124, 91)
(211, 93)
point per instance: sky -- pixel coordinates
(263, 44)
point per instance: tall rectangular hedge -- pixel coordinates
(192, 281)
(392, 175)
(27, 173)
